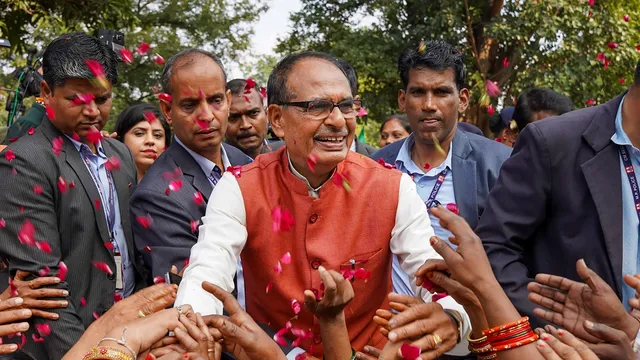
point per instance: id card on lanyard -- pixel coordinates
(436, 188)
(631, 174)
(110, 217)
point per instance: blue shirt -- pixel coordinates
(630, 222)
(425, 181)
(96, 164)
(207, 165)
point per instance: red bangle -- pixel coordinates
(514, 345)
(510, 336)
(503, 327)
(507, 332)
(514, 339)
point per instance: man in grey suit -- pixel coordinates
(170, 200)
(65, 195)
(449, 166)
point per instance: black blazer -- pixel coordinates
(475, 163)
(170, 236)
(69, 222)
(558, 199)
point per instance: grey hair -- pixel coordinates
(168, 70)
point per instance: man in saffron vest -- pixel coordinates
(313, 203)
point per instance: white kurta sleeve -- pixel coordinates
(222, 237)
(410, 242)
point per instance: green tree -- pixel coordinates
(517, 44)
(260, 68)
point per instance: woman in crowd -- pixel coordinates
(145, 132)
(395, 127)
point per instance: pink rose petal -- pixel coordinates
(409, 352)
(286, 258)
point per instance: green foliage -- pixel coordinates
(260, 69)
(547, 43)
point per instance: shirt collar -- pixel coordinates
(79, 146)
(405, 164)
(620, 137)
(312, 191)
(205, 164)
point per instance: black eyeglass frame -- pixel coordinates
(305, 104)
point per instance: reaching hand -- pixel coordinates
(569, 303)
(197, 339)
(564, 345)
(371, 353)
(31, 293)
(338, 292)
(105, 134)
(634, 282)
(398, 303)
(10, 314)
(437, 272)
(242, 336)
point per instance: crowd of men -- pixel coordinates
(189, 233)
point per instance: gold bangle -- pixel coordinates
(475, 341)
(103, 352)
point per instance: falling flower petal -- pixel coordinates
(31, 131)
(37, 189)
(43, 329)
(62, 185)
(198, 198)
(36, 338)
(491, 110)
(409, 352)
(175, 185)
(97, 203)
(194, 225)
(2, 223)
(422, 47)
(263, 93)
(439, 296)
(113, 163)
(165, 97)
(51, 114)
(75, 136)
(362, 274)
(57, 145)
(117, 297)
(83, 302)
(492, 88)
(341, 180)
(302, 356)
(505, 62)
(279, 337)
(150, 116)
(286, 258)
(43, 246)
(170, 175)
(62, 272)
(144, 221)
(126, 55)
(44, 272)
(143, 48)
(295, 306)
(590, 102)
(246, 98)
(453, 208)
(385, 164)
(95, 315)
(250, 84)
(625, 18)
(235, 170)
(282, 219)
(9, 155)
(94, 136)
(269, 286)
(278, 268)
(72, 185)
(82, 99)
(158, 59)
(102, 267)
(96, 68)
(613, 45)
(427, 166)
(362, 112)
(159, 280)
(109, 245)
(607, 62)
(203, 124)
(26, 233)
(312, 161)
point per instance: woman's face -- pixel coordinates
(392, 132)
(146, 142)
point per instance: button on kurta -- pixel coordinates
(313, 218)
(317, 339)
(315, 264)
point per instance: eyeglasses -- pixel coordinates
(320, 109)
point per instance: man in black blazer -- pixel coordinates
(65, 195)
(564, 195)
(167, 205)
(433, 97)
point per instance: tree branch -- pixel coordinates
(472, 38)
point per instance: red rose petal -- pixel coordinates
(75, 136)
(83, 302)
(147, 248)
(491, 110)
(94, 136)
(109, 245)
(158, 59)
(505, 62)
(175, 185)
(36, 338)
(44, 271)
(590, 102)
(150, 116)
(165, 97)
(143, 48)
(43, 246)
(57, 145)
(37, 189)
(263, 93)
(126, 55)
(2, 224)
(51, 114)
(198, 198)
(235, 170)
(601, 57)
(439, 296)
(26, 233)
(72, 185)
(453, 208)
(278, 268)
(31, 131)
(427, 284)
(613, 45)
(62, 272)
(43, 329)
(62, 185)
(159, 280)
(385, 164)
(302, 356)
(9, 155)
(246, 98)
(96, 315)
(170, 175)
(250, 84)
(286, 258)
(117, 297)
(96, 68)
(82, 99)
(312, 161)
(409, 352)
(492, 88)
(145, 221)
(97, 203)
(102, 267)
(621, 81)
(113, 163)
(194, 225)
(282, 219)
(269, 286)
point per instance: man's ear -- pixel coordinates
(464, 100)
(276, 118)
(45, 91)
(401, 99)
(165, 108)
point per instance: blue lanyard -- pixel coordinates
(631, 174)
(109, 211)
(436, 187)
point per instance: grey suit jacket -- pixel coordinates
(364, 149)
(68, 221)
(169, 239)
(476, 162)
(558, 199)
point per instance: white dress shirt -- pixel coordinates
(223, 235)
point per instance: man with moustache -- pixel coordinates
(170, 200)
(292, 211)
(65, 192)
(247, 126)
